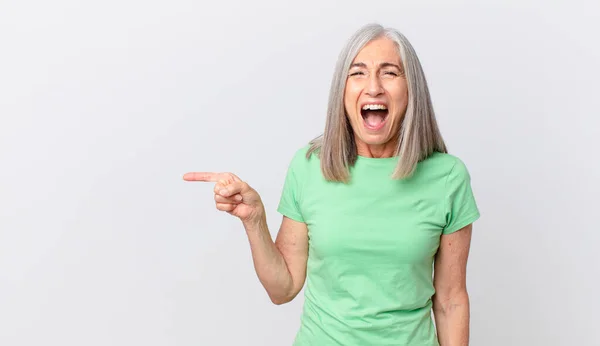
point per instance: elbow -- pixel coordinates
(281, 299)
(283, 294)
(445, 303)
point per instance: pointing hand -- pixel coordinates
(232, 195)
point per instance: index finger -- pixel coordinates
(203, 176)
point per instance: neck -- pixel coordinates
(384, 150)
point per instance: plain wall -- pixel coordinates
(104, 106)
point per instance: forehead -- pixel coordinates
(378, 51)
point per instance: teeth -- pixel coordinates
(374, 107)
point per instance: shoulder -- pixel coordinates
(301, 152)
(301, 161)
(446, 169)
(301, 156)
(444, 162)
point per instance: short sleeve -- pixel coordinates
(289, 202)
(461, 207)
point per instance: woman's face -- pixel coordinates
(376, 97)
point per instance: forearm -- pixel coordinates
(452, 320)
(269, 263)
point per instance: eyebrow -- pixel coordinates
(383, 64)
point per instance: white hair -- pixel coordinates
(419, 135)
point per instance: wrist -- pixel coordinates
(255, 224)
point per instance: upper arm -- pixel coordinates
(292, 242)
(450, 268)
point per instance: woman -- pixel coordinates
(369, 208)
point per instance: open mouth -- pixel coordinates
(374, 115)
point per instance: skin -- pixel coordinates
(376, 76)
(281, 264)
(451, 307)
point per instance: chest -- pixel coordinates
(384, 224)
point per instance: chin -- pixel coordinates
(374, 139)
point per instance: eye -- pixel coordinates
(357, 73)
(391, 73)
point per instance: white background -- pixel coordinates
(104, 106)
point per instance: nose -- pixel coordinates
(374, 87)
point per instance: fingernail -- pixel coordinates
(224, 192)
(238, 197)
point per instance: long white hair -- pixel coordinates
(419, 135)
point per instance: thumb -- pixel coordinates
(237, 187)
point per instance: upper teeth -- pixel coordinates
(373, 107)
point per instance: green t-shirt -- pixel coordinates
(372, 244)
